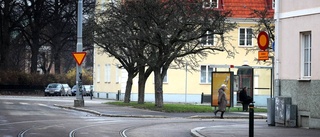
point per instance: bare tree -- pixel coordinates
(10, 17)
(116, 36)
(159, 32)
(35, 27)
(4, 33)
(36, 19)
(60, 33)
(173, 29)
(265, 22)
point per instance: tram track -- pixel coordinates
(40, 127)
(123, 133)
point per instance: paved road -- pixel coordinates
(56, 116)
(40, 116)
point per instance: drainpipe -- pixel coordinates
(276, 56)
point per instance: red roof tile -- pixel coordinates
(243, 8)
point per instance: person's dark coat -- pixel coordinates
(222, 100)
(244, 98)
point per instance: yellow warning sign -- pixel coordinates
(263, 55)
(79, 57)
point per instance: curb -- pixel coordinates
(156, 116)
(80, 109)
(228, 117)
(109, 115)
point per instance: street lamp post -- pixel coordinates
(79, 102)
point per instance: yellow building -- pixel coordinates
(184, 85)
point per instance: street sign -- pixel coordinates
(263, 55)
(273, 46)
(79, 57)
(263, 40)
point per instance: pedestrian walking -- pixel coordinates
(222, 101)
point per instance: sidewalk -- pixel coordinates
(260, 130)
(116, 111)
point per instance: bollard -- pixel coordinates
(251, 119)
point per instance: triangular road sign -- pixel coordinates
(79, 57)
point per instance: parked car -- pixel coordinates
(67, 89)
(87, 89)
(54, 89)
(74, 90)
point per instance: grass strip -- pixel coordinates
(179, 107)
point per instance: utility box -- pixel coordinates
(271, 111)
(291, 115)
(280, 110)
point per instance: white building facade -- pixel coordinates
(297, 65)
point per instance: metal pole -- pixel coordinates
(186, 83)
(276, 50)
(79, 102)
(272, 78)
(251, 120)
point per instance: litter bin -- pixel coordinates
(271, 111)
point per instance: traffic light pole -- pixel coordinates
(79, 102)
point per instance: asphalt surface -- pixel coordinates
(260, 130)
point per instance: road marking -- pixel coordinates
(8, 103)
(44, 105)
(23, 103)
(195, 131)
(7, 136)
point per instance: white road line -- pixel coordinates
(8, 103)
(44, 105)
(23, 103)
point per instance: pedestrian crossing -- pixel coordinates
(8, 103)
(25, 103)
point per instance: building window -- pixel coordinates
(107, 73)
(245, 36)
(118, 73)
(98, 74)
(210, 3)
(306, 55)
(165, 79)
(206, 76)
(208, 39)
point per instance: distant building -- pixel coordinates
(181, 85)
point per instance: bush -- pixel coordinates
(21, 78)
(87, 78)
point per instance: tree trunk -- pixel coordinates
(4, 47)
(56, 52)
(5, 37)
(158, 88)
(127, 94)
(35, 46)
(141, 86)
(57, 65)
(34, 58)
(44, 62)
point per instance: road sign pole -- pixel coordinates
(79, 102)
